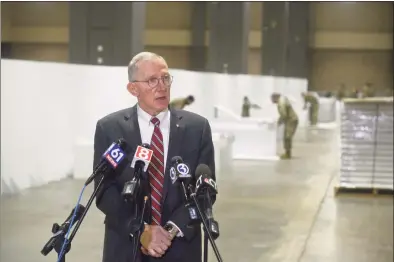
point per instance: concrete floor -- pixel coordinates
(268, 212)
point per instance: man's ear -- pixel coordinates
(132, 88)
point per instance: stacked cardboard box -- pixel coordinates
(367, 143)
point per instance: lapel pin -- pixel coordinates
(177, 125)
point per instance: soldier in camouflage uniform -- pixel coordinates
(357, 93)
(180, 103)
(246, 106)
(313, 106)
(341, 92)
(368, 90)
(289, 118)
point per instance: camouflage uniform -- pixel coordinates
(368, 91)
(341, 93)
(357, 94)
(179, 103)
(246, 108)
(289, 118)
(314, 107)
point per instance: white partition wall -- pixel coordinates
(261, 95)
(253, 140)
(99, 92)
(36, 124)
(47, 107)
(224, 90)
(327, 110)
(188, 83)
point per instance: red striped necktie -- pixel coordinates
(156, 171)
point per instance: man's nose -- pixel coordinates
(161, 86)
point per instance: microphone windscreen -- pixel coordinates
(176, 159)
(146, 145)
(203, 169)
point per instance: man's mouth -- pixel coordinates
(161, 98)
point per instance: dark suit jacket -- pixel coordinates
(190, 138)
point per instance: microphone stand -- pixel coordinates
(205, 247)
(138, 228)
(205, 237)
(206, 229)
(58, 240)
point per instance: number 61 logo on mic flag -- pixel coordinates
(144, 155)
(114, 155)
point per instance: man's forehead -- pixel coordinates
(149, 68)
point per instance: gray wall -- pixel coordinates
(285, 39)
(228, 37)
(107, 33)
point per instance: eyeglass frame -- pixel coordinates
(157, 79)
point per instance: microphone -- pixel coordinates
(111, 158)
(60, 231)
(140, 163)
(174, 162)
(180, 171)
(142, 157)
(205, 182)
(206, 188)
(132, 190)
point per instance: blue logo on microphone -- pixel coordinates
(183, 170)
(114, 155)
(192, 213)
(173, 175)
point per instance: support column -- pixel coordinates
(298, 52)
(197, 49)
(273, 44)
(228, 37)
(285, 39)
(106, 33)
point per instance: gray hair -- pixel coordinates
(143, 56)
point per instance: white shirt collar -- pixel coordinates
(147, 117)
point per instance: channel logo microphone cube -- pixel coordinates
(143, 155)
(114, 155)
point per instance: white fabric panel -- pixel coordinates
(49, 108)
(327, 110)
(36, 124)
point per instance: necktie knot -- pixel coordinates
(155, 121)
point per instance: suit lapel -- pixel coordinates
(132, 133)
(177, 129)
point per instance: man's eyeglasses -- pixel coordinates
(153, 82)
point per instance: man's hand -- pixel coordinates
(155, 240)
(144, 251)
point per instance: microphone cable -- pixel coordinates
(71, 225)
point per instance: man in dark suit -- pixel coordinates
(170, 133)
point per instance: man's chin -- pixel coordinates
(161, 104)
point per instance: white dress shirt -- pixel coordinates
(146, 131)
(147, 127)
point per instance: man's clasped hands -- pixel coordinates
(155, 241)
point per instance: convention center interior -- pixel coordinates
(157, 131)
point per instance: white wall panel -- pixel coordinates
(46, 108)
